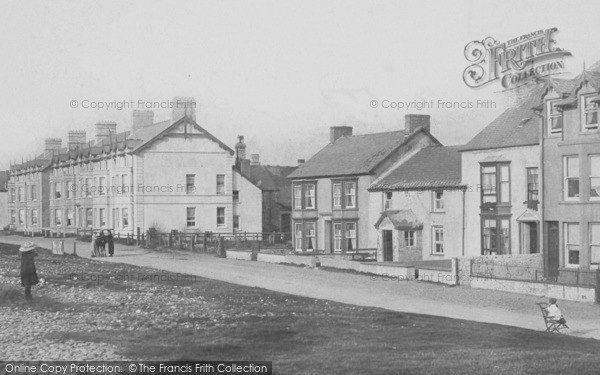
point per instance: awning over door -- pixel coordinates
(401, 219)
(529, 215)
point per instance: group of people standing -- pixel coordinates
(101, 240)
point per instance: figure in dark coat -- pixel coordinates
(110, 242)
(29, 275)
(101, 242)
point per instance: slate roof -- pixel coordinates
(147, 134)
(272, 178)
(431, 168)
(517, 126)
(133, 140)
(353, 155)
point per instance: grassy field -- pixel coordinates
(171, 318)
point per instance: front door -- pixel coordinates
(388, 246)
(529, 237)
(553, 245)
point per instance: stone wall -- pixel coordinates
(571, 293)
(526, 267)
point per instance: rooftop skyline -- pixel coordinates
(278, 73)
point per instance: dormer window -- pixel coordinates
(590, 112)
(555, 118)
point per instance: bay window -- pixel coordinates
(495, 236)
(532, 187)
(495, 184)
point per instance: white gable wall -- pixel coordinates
(160, 183)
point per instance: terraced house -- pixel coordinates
(330, 210)
(500, 169)
(421, 207)
(571, 173)
(169, 175)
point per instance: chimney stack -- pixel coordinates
(245, 167)
(412, 122)
(336, 132)
(240, 148)
(76, 139)
(53, 145)
(104, 129)
(255, 159)
(183, 106)
(301, 161)
(141, 118)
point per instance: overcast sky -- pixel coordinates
(278, 72)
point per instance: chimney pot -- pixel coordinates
(245, 167)
(104, 129)
(240, 148)
(141, 118)
(53, 145)
(76, 139)
(301, 161)
(336, 132)
(412, 122)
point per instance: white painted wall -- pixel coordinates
(159, 186)
(421, 204)
(520, 159)
(249, 207)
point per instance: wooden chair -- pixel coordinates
(552, 325)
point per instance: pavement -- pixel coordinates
(416, 297)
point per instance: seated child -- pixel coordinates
(554, 312)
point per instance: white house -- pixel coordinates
(500, 167)
(420, 205)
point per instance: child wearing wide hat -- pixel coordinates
(29, 275)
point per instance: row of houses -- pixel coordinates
(528, 183)
(166, 175)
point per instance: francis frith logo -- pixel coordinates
(515, 62)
